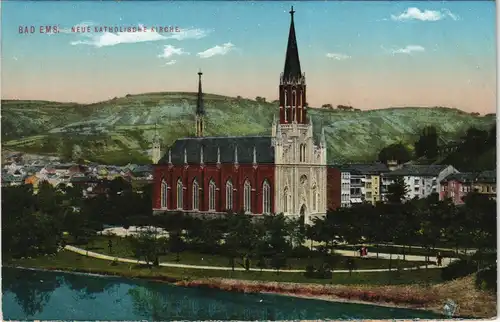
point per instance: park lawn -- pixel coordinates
(387, 249)
(120, 248)
(69, 261)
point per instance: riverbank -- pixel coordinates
(472, 303)
(360, 287)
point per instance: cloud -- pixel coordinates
(169, 51)
(111, 39)
(408, 50)
(217, 50)
(195, 33)
(337, 56)
(170, 62)
(413, 13)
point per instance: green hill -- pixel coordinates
(120, 130)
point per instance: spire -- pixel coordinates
(201, 155)
(169, 157)
(292, 61)
(236, 154)
(185, 157)
(200, 108)
(218, 155)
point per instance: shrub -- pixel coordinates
(309, 273)
(323, 272)
(458, 269)
(487, 279)
(301, 252)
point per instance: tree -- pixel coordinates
(275, 239)
(397, 152)
(427, 144)
(328, 106)
(240, 239)
(396, 192)
(146, 245)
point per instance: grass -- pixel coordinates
(121, 248)
(70, 261)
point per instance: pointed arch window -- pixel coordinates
(229, 195)
(314, 198)
(266, 197)
(285, 200)
(179, 194)
(294, 105)
(211, 195)
(302, 152)
(285, 112)
(164, 194)
(196, 195)
(247, 197)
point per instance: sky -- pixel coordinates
(368, 55)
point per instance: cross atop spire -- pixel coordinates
(292, 61)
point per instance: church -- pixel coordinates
(284, 172)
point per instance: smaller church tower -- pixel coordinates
(156, 151)
(200, 110)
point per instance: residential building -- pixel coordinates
(456, 186)
(486, 183)
(420, 180)
(354, 184)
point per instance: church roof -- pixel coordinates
(292, 61)
(226, 145)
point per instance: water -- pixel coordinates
(43, 295)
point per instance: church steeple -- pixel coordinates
(156, 151)
(200, 109)
(292, 61)
(292, 89)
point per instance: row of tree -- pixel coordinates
(267, 240)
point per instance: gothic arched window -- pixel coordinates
(196, 195)
(302, 153)
(314, 198)
(211, 195)
(164, 194)
(285, 107)
(179, 194)
(266, 197)
(229, 195)
(285, 200)
(247, 197)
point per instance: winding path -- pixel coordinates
(346, 253)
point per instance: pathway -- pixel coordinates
(222, 268)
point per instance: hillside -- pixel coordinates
(120, 130)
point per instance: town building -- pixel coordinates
(284, 172)
(350, 184)
(420, 180)
(457, 186)
(486, 183)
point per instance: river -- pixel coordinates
(47, 295)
